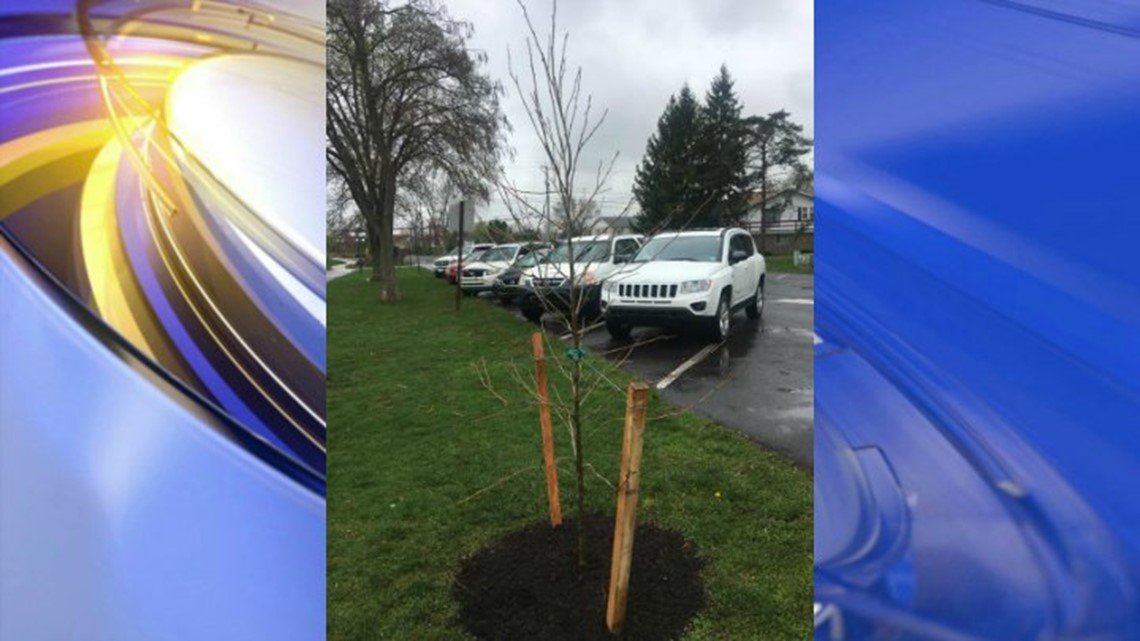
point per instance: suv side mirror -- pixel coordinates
(622, 258)
(736, 255)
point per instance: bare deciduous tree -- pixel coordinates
(423, 204)
(404, 94)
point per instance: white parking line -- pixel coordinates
(684, 367)
(792, 301)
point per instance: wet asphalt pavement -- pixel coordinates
(759, 382)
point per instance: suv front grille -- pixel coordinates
(548, 282)
(646, 291)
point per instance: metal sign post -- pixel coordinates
(457, 218)
(459, 266)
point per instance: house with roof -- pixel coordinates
(786, 223)
(613, 225)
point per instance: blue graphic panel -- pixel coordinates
(978, 308)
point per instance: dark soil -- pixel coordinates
(527, 585)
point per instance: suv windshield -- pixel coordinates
(586, 251)
(499, 254)
(702, 249)
(467, 249)
(530, 260)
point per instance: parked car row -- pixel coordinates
(694, 279)
(574, 271)
(480, 274)
(447, 266)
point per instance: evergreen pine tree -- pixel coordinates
(722, 187)
(665, 175)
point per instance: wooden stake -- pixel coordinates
(637, 400)
(547, 431)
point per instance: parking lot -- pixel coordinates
(758, 382)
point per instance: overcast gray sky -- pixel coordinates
(634, 54)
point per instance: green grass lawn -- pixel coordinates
(784, 264)
(332, 262)
(435, 451)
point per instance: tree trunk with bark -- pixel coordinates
(384, 260)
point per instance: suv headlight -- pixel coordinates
(609, 286)
(695, 286)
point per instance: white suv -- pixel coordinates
(439, 265)
(687, 279)
(595, 258)
(480, 276)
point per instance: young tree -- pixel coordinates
(774, 142)
(564, 123)
(664, 181)
(721, 176)
(404, 94)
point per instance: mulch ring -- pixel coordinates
(527, 585)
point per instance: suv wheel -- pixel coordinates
(531, 309)
(755, 306)
(618, 329)
(723, 319)
(591, 311)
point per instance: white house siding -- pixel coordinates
(798, 214)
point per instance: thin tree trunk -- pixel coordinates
(576, 422)
(576, 414)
